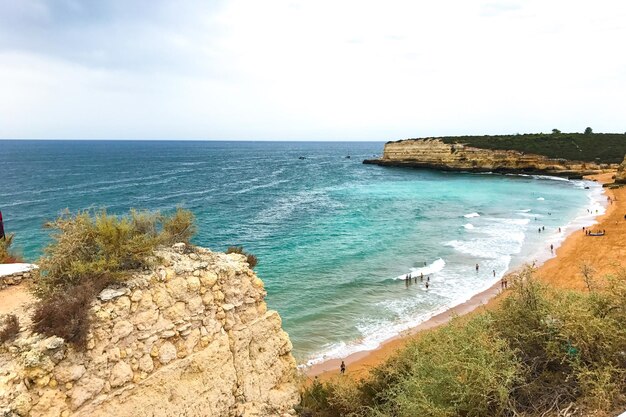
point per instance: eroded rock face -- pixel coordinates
(191, 337)
(434, 153)
(620, 177)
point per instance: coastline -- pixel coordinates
(557, 270)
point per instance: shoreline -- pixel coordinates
(359, 363)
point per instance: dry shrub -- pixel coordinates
(250, 258)
(66, 315)
(10, 328)
(7, 256)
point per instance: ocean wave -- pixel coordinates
(469, 226)
(471, 215)
(540, 198)
(430, 269)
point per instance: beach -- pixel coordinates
(602, 253)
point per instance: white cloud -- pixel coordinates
(284, 69)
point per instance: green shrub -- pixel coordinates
(88, 245)
(251, 259)
(89, 251)
(542, 350)
(9, 328)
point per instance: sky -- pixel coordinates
(309, 70)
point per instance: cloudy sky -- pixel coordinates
(309, 70)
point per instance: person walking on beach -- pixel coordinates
(2, 235)
(506, 283)
(494, 273)
(476, 267)
(342, 368)
(502, 283)
(551, 248)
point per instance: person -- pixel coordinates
(342, 368)
(494, 273)
(2, 235)
(476, 267)
(539, 230)
(421, 277)
(506, 283)
(427, 284)
(559, 230)
(543, 228)
(428, 279)
(552, 248)
(502, 283)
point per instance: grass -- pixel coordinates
(542, 350)
(593, 147)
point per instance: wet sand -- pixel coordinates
(605, 254)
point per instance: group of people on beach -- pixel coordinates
(589, 232)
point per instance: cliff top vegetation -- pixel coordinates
(588, 146)
(90, 250)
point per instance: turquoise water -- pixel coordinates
(332, 235)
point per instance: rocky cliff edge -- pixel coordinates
(434, 153)
(190, 337)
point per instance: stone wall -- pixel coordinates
(434, 153)
(190, 337)
(14, 278)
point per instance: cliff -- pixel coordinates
(191, 336)
(434, 153)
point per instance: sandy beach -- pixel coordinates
(604, 254)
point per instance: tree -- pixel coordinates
(555, 131)
(588, 131)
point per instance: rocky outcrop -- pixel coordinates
(190, 337)
(620, 176)
(434, 153)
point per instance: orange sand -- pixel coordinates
(606, 254)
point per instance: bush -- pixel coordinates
(251, 259)
(88, 245)
(89, 251)
(7, 256)
(10, 328)
(66, 315)
(540, 351)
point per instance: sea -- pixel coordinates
(334, 237)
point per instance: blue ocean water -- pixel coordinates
(332, 235)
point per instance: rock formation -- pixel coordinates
(434, 153)
(620, 176)
(190, 337)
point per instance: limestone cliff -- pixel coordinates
(190, 337)
(434, 153)
(620, 176)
